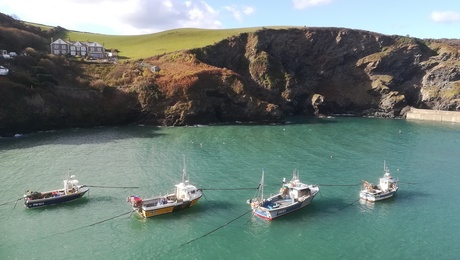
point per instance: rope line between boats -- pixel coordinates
(229, 188)
(113, 187)
(339, 184)
(410, 182)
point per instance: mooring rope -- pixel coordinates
(339, 184)
(410, 182)
(99, 222)
(16, 200)
(349, 205)
(90, 225)
(204, 196)
(229, 188)
(113, 187)
(214, 230)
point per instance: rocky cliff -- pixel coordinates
(260, 77)
(271, 74)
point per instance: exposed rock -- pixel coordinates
(316, 71)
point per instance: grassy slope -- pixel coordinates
(143, 46)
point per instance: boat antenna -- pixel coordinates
(385, 168)
(184, 172)
(295, 174)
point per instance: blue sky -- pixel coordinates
(416, 18)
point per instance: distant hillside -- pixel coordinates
(144, 46)
(148, 45)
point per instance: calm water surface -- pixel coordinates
(420, 222)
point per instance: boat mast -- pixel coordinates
(261, 186)
(184, 173)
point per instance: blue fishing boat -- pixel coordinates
(70, 192)
(292, 196)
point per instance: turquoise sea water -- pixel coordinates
(420, 222)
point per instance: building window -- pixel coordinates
(56, 46)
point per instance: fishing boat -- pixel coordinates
(292, 196)
(184, 196)
(70, 192)
(386, 188)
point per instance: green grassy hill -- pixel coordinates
(143, 46)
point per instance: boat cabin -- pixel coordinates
(184, 191)
(70, 185)
(387, 182)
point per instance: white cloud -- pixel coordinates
(302, 4)
(117, 16)
(238, 12)
(248, 10)
(158, 15)
(445, 17)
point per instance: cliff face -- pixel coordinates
(271, 74)
(25, 110)
(260, 77)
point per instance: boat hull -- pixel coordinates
(37, 203)
(167, 208)
(269, 214)
(376, 197)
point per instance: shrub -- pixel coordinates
(22, 78)
(42, 78)
(31, 51)
(47, 64)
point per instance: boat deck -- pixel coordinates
(277, 202)
(284, 202)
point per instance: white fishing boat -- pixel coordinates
(386, 188)
(292, 196)
(184, 196)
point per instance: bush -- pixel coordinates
(41, 70)
(42, 78)
(31, 51)
(47, 65)
(22, 78)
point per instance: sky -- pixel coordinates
(415, 18)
